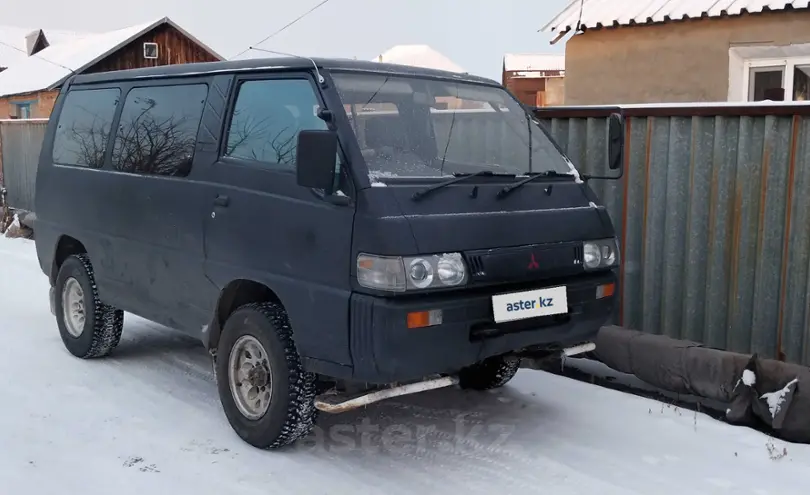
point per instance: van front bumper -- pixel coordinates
(385, 350)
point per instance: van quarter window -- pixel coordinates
(267, 118)
(84, 127)
(158, 129)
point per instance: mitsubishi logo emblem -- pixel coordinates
(533, 264)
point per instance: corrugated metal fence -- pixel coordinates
(20, 142)
(713, 215)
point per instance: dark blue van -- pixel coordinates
(320, 224)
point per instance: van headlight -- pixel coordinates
(600, 254)
(399, 274)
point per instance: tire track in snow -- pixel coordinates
(155, 399)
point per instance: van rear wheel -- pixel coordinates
(490, 373)
(267, 396)
(88, 327)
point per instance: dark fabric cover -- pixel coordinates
(689, 368)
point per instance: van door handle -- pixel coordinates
(221, 200)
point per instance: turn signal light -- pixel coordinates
(606, 290)
(423, 319)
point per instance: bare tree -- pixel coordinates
(91, 141)
(261, 139)
(150, 143)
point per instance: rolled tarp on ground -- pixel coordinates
(759, 392)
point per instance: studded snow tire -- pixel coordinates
(103, 323)
(491, 373)
(291, 412)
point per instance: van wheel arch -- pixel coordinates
(66, 246)
(235, 295)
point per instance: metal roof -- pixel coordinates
(597, 14)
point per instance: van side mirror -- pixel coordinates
(315, 159)
(615, 145)
(615, 141)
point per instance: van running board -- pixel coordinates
(579, 349)
(334, 403)
(337, 403)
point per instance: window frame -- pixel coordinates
(20, 105)
(226, 128)
(127, 87)
(787, 64)
(113, 122)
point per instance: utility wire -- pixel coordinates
(579, 21)
(313, 9)
(37, 56)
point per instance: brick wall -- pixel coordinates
(537, 91)
(41, 104)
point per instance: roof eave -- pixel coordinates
(28, 92)
(563, 27)
(553, 24)
(58, 84)
(153, 25)
(122, 44)
(559, 36)
(194, 39)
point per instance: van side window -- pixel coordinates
(157, 132)
(267, 118)
(84, 127)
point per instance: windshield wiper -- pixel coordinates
(458, 178)
(532, 176)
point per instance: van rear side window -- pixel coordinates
(84, 127)
(157, 132)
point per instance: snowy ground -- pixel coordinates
(148, 420)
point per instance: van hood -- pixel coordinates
(467, 216)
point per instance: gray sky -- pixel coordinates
(473, 33)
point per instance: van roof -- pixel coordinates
(274, 64)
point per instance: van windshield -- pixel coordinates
(418, 127)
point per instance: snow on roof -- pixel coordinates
(418, 56)
(50, 67)
(528, 62)
(12, 42)
(606, 13)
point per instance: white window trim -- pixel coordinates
(788, 64)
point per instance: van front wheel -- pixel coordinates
(267, 396)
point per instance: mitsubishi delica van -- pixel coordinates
(335, 232)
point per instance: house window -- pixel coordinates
(766, 83)
(801, 82)
(759, 72)
(786, 79)
(23, 110)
